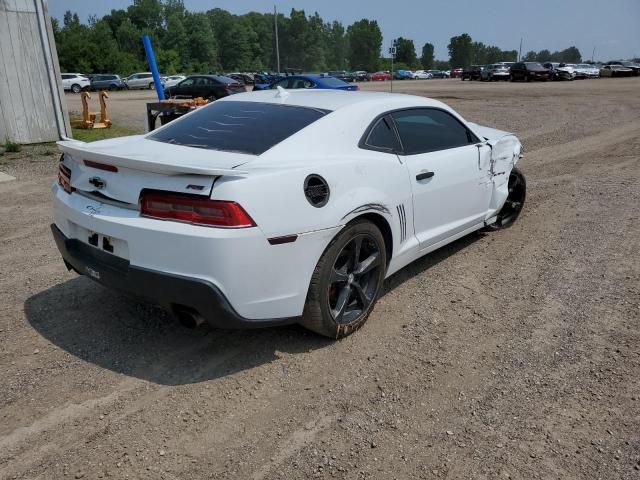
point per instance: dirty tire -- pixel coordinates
(347, 281)
(514, 204)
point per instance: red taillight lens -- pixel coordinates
(195, 210)
(101, 166)
(64, 177)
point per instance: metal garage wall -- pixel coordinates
(32, 106)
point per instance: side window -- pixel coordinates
(382, 136)
(186, 83)
(428, 130)
(67, 77)
(284, 83)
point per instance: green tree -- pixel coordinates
(441, 65)
(493, 55)
(427, 58)
(263, 47)
(315, 45)
(365, 41)
(571, 55)
(460, 50)
(406, 51)
(337, 47)
(530, 56)
(479, 53)
(234, 39)
(201, 44)
(543, 56)
(509, 56)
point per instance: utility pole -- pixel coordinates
(392, 51)
(275, 20)
(520, 51)
(593, 54)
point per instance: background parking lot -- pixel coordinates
(509, 354)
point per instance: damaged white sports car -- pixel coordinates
(278, 207)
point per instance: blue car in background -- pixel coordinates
(403, 75)
(310, 81)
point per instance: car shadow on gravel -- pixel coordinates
(425, 263)
(141, 340)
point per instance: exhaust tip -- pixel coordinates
(188, 317)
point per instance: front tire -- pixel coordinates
(75, 88)
(347, 281)
(514, 204)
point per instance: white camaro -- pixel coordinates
(278, 207)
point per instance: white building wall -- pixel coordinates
(32, 105)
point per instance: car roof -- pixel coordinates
(336, 99)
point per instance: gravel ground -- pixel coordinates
(514, 354)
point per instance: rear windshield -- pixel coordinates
(244, 127)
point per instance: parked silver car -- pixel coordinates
(140, 80)
(496, 71)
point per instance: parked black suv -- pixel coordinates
(209, 87)
(107, 82)
(528, 71)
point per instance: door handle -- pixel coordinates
(424, 175)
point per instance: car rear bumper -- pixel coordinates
(259, 279)
(174, 292)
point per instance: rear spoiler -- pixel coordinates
(146, 163)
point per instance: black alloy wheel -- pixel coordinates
(347, 281)
(515, 200)
(353, 283)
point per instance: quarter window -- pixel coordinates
(428, 130)
(382, 136)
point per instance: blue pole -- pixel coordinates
(151, 60)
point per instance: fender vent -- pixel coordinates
(316, 190)
(403, 222)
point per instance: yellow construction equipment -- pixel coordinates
(89, 118)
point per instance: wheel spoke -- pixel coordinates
(355, 253)
(368, 264)
(339, 275)
(365, 299)
(341, 303)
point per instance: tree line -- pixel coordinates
(217, 40)
(211, 41)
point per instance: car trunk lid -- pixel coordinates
(120, 169)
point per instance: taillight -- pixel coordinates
(101, 166)
(195, 210)
(64, 177)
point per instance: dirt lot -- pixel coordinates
(513, 354)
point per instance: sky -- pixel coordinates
(609, 26)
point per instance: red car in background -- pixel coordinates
(380, 76)
(456, 73)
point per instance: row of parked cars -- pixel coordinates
(526, 71)
(211, 84)
(77, 82)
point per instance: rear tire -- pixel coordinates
(347, 281)
(151, 86)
